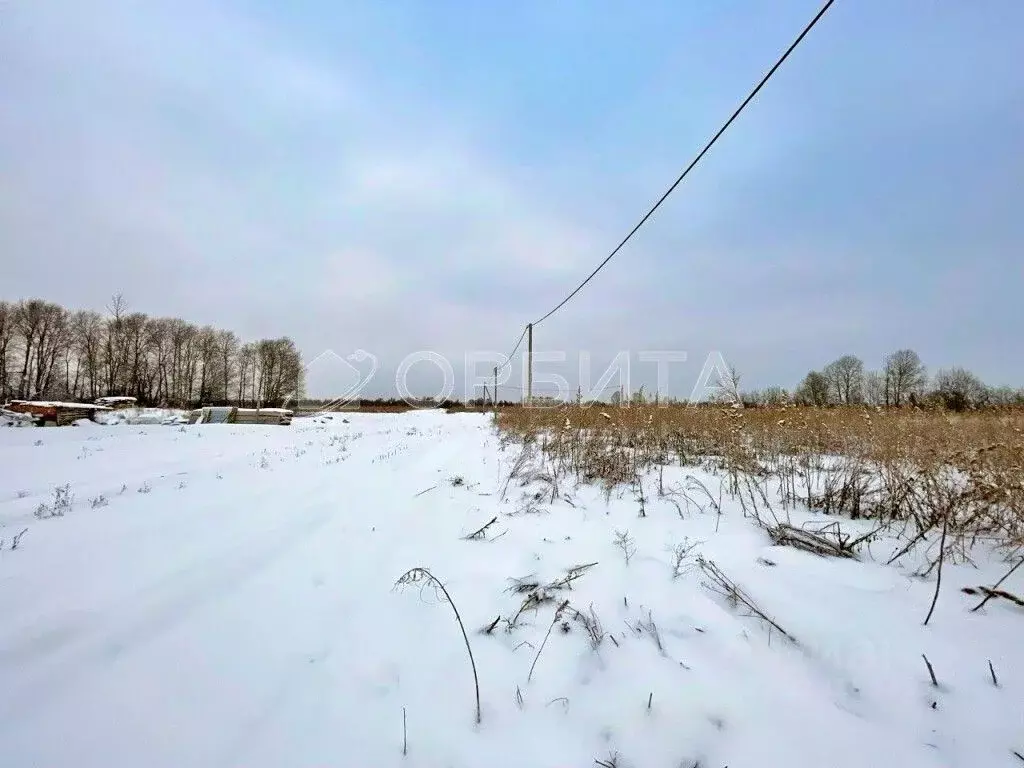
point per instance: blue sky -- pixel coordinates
(406, 175)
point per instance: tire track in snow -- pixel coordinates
(293, 681)
(294, 705)
(102, 640)
(414, 459)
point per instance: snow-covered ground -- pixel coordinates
(14, 418)
(220, 595)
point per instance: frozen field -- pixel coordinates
(223, 596)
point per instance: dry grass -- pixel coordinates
(423, 577)
(725, 587)
(912, 470)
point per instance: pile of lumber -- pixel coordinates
(52, 412)
(232, 415)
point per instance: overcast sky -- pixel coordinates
(410, 175)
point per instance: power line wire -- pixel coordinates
(515, 349)
(696, 160)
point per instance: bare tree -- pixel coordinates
(184, 361)
(768, 397)
(278, 370)
(208, 355)
(28, 316)
(161, 357)
(114, 346)
(727, 387)
(135, 360)
(904, 374)
(775, 396)
(51, 342)
(87, 340)
(846, 379)
(45, 350)
(1005, 396)
(227, 352)
(958, 389)
(8, 328)
(42, 329)
(813, 390)
(246, 373)
(874, 388)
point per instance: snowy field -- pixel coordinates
(222, 595)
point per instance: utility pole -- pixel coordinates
(529, 364)
(495, 390)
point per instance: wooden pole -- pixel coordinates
(495, 389)
(529, 369)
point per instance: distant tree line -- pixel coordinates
(901, 381)
(49, 352)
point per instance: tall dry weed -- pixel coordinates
(912, 469)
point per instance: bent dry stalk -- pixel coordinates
(422, 575)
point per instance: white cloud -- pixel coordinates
(204, 165)
(209, 166)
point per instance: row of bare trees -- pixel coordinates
(50, 352)
(902, 380)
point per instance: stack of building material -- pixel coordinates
(52, 412)
(231, 415)
(281, 416)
